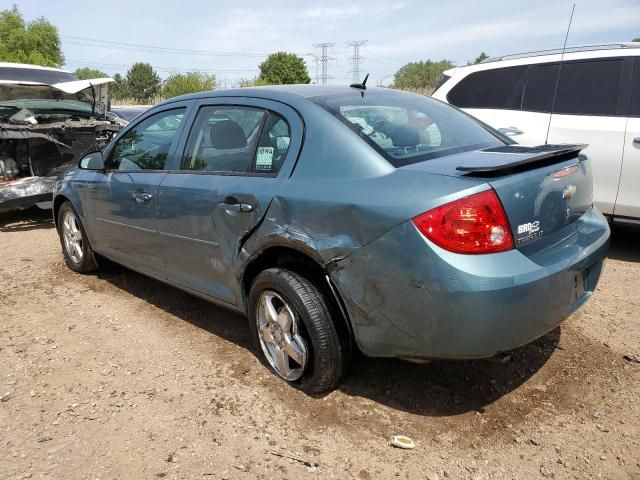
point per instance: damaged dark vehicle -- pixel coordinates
(49, 119)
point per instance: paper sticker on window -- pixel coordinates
(264, 159)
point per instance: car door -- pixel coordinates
(590, 108)
(233, 160)
(497, 97)
(122, 202)
(628, 201)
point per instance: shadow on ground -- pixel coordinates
(625, 243)
(438, 389)
(24, 220)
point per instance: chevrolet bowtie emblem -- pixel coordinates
(569, 192)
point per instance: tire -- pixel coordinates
(312, 331)
(76, 248)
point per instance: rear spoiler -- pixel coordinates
(512, 157)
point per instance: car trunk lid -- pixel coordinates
(544, 190)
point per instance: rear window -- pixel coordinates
(408, 129)
(589, 88)
(635, 90)
(495, 88)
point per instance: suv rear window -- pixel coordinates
(589, 88)
(407, 128)
(495, 88)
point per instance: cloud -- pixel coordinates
(512, 31)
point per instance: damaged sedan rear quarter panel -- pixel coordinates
(48, 120)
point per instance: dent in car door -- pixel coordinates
(209, 206)
(123, 202)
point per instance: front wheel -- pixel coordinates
(75, 245)
(293, 333)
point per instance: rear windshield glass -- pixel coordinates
(406, 128)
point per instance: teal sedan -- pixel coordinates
(340, 218)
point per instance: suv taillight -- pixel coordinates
(475, 224)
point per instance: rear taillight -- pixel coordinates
(475, 224)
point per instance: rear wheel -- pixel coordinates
(75, 245)
(293, 333)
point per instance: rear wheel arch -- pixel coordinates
(57, 203)
(291, 259)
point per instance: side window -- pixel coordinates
(495, 88)
(273, 145)
(635, 90)
(589, 88)
(223, 139)
(146, 146)
(537, 94)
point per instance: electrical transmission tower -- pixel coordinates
(324, 60)
(356, 59)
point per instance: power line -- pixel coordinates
(166, 69)
(324, 60)
(108, 44)
(356, 58)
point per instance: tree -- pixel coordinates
(118, 89)
(283, 68)
(421, 75)
(85, 73)
(191, 82)
(143, 82)
(36, 42)
(636, 39)
(480, 58)
(252, 82)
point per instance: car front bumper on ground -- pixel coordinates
(406, 297)
(25, 192)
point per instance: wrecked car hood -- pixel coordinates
(45, 128)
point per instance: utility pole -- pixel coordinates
(356, 58)
(324, 60)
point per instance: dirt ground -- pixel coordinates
(116, 376)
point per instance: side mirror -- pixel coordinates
(92, 161)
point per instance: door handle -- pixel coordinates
(636, 142)
(142, 197)
(511, 131)
(238, 207)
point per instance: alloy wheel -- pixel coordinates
(72, 237)
(280, 340)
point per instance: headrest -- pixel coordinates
(404, 136)
(226, 135)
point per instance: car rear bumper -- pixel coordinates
(406, 297)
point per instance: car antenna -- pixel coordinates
(361, 86)
(555, 91)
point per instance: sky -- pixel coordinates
(231, 38)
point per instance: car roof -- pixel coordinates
(282, 93)
(31, 66)
(575, 52)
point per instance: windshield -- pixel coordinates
(408, 129)
(40, 75)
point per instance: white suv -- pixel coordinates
(597, 103)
